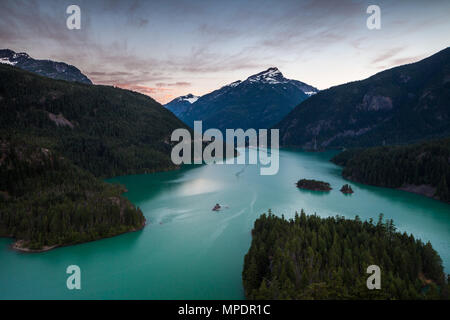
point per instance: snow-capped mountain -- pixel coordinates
(46, 68)
(258, 102)
(188, 98)
(180, 105)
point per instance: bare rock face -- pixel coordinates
(375, 103)
(60, 121)
(425, 190)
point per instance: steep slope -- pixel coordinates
(46, 201)
(56, 136)
(106, 130)
(46, 68)
(399, 105)
(179, 105)
(258, 102)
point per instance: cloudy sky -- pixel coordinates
(167, 48)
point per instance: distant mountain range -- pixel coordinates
(260, 101)
(396, 106)
(47, 68)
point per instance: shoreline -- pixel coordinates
(15, 246)
(424, 190)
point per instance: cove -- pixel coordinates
(187, 251)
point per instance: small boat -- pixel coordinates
(217, 207)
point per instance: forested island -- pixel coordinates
(315, 185)
(58, 141)
(346, 189)
(422, 168)
(309, 257)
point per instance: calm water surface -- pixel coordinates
(188, 251)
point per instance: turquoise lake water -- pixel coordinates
(188, 251)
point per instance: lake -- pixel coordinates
(188, 251)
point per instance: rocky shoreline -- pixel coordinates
(424, 190)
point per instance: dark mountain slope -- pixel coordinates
(47, 68)
(399, 105)
(56, 136)
(258, 102)
(105, 130)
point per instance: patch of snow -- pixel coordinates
(20, 54)
(310, 93)
(271, 75)
(235, 84)
(6, 61)
(191, 100)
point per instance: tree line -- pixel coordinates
(425, 163)
(309, 257)
(45, 200)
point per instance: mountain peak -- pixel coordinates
(46, 68)
(11, 55)
(189, 98)
(271, 75)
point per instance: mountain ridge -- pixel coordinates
(48, 68)
(260, 101)
(403, 104)
(180, 104)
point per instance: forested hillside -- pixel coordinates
(425, 164)
(47, 201)
(58, 140)
(106, 130)
(404, 104)
(309, 257)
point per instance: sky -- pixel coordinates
(168, 48)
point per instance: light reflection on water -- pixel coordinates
(188, 251)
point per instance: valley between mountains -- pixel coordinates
(81, 162)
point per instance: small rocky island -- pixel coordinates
(347, 189)
(314, 185)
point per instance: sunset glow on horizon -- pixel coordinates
(165, 49)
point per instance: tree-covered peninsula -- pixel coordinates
(421, 168)
(46, 201)
(309, 257)
(58, 140)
